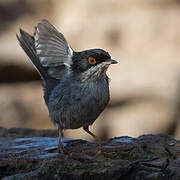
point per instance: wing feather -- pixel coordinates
(52, 49)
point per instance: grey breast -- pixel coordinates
(73, 104)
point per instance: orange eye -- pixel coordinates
(92, 60)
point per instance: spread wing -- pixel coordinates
(52, 49)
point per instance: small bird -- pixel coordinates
(76, 87)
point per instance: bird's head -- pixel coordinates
(91, 63)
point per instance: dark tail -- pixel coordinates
(26, 41)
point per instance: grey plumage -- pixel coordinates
(74, 103)
(51, 46)
(76, 90)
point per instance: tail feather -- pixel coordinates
(26, 41)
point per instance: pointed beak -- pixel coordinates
(112, 61)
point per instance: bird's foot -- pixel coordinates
(62, 150)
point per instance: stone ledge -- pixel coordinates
(32, 154)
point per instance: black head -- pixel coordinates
(84, 60)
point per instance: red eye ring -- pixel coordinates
(92, 60)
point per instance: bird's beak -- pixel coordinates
(112, 61)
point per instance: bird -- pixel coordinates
(75, 83)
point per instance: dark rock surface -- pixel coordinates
(32, 154)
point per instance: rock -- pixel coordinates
(34, 156)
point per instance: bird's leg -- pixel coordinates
(86, 128)
(60, 146)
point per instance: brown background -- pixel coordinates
(143, 35)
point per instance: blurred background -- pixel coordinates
(145, 86)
